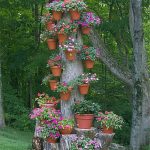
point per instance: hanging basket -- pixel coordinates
(52, 44)
(74, 14)
(53, 84)
(84, 121)
(86, 30)
(65, 95)
(107, 130)
(49, 25)
(84, 89)
(70, 55)
(89, 64)
(51, 140)
(56, 71)
(57, 15)
(62, 37)
(66, 130)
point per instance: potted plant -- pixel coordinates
(88, 54)
(44, 100)
(84, 113)
(51, 80)
(55, 64)
(70, 47)
(65, 90)
(88, 19)
(57, 8)
(66, 126)
(75, 7)
(63, 28)
(83, 81)
(84, 143)
(109, 121)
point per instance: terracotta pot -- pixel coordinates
(49, 25)
(56, 71)
(84, 89)
(86, 30)
(89, 64)
(62, 37)
(50, 140)
(52, 105)
(53, 85)
(70, 55)
(74, 14)
(65, 96)
(84, 121)
(107, 130)
(57, 15)
(52, 44)
(66, 130)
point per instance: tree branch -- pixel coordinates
(102, 53)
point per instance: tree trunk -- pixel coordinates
(140, 132)
(2, 122)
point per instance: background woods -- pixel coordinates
(24, 58)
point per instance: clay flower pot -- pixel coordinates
(62, 37)
(74, 14)
(89, 64)
(57, 15)
(56, 71)
(49, 25)
(65, 96)
(53, 85)
(50, 105)
(52, 44)
(70, 55)
(84, 89)
(86, 30)
(84, 121)
(66, 130)
(50, 140)
(107, 130)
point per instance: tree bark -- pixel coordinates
(140, 132)
(2, 122)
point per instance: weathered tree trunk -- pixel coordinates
(140, 133)
(2, 122)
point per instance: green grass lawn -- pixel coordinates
(12, 139)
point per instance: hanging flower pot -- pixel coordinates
(51, 140)
(56, 71)
(65, 95)
(49, 25)
(86, 30)
(75, 14)
(52, 44)
(53, 84)
(107, 130)
(70, 55)
(57, 15)
(89, 64)
(84, 89)
(62, 37)
(66, 130)
(84, 121)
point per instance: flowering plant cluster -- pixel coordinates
(47, 78)
(46, 17)
(56, 6)
(89, 19)
(54, 60)
(86, 78)
(66, 27)
(85, 107)
(67, 123)
(76, 5)
(64, 87)
(70, 45)
(110, 120)
(44, 98)
(84, 143)
(88, 53)
(48, 35)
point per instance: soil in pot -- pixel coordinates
(84, 121)
(84, 89)
(52, 44)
